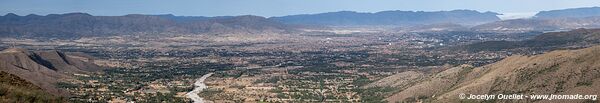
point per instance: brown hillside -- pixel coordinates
(557, 72)
(399, 80)
(16, 90)
(44, 68)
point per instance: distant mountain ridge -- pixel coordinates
(82, 24)
(75, 25)
(569, 13)
(398, 18)
(565, 19)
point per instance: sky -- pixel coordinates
(269, 8)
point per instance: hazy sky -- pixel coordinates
(275, 7)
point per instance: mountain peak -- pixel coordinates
(250, 17)
(77, 13)
(14, 50)
(70, 14)
(11, 15)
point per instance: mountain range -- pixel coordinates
(82, 24)
(75, 25)
(566, 19)
(397, 18)
(569, 13)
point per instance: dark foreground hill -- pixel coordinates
(541, 24)
(546, 41)
(44, 68)
(557, 72)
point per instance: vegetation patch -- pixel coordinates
(16, 90)
(375, 94)
(584, 83)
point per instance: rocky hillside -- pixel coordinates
(14, 89)
(44, 68)
(81, 24)
(557, 72)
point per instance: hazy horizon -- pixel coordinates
(270, 8)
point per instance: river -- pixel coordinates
(199, 84)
